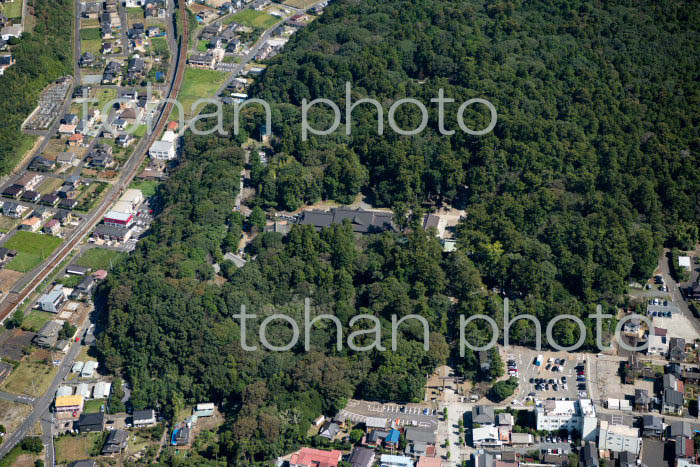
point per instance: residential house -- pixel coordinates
(75, 139)
(91, 422)
(68, 203)
(375, 438)
(111, 233)
(124, 140)
(64, 217)
(87, 59)
(48, 334)
(66, 158)
(308, 457)
(13, 191)
(30, 180)
(673, 402)
(52, 227)
(589, 456)
(54, 300)
(362, 457)
(162, 150)
(679, 428)
(652, 426)
(8, 32)
(116, 442)
(486, 436)
(658, 342)
(6, 61)
(676, 349)
(329, 430)
(684, 448)
(202, 60)
(642, 401)
(42, 164)
(30, 225)
(361, 220)
(30, 196)
(483, 415)
(390, 460)
(392, 439)
(14, 210)
(49, 199)
(142, 418)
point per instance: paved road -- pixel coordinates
(42, 404)
(15, 398)
(258, 45)
(675, 291)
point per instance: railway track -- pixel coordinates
(118, 189)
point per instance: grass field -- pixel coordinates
(134, 15)
(253, 19)
(196, 85)
(299, 3)
(31, 378)
(32, 249)
(89, 23)
(8, 223)
(89, 34)
(12, 414)
(100, 258)
(202, 45)
(94, 46)
(148, 188)
(13, 9)
(35, 319)
(73, 448)
(104, 96)
(93, 406)
(159, 45)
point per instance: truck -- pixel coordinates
(539, 360)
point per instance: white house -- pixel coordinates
(658, 342)
(162, 150)
(684, 262)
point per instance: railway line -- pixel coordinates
(132, 166)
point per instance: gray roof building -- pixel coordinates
(483, 415)
(362, 221)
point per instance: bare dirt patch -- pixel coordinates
(12, 414)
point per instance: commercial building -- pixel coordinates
(579, 415)
(68, 406)
(118, 219)
(619, 438)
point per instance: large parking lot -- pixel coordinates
(420, 416)
(527, 371)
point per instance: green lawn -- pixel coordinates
(93, 406)
(253, 18)
(90, 34)
(134, 15)
(94, 46)
(35, 319)
(32, 249)
(202, 45)
(148, 188)
(100, 258)
(159, 45)
(13, 9)
(198, 84)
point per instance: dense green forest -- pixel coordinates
(42, 56)
(592, 167)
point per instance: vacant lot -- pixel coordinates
(12, 414)
(299, 3)
(254, 19)
(8, 279)
(32, 249)
(35, 319)
(13, 9)
(73, 448)
(94, 46)
(148, 188)
(100, 258)
(31, 378)
(8, 223)
(196, 85)
(88, 34)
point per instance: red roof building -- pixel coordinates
(307, 457)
